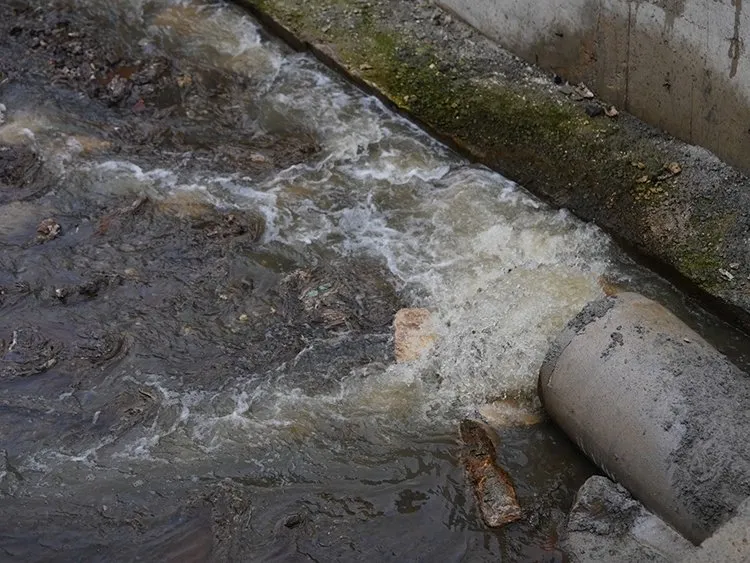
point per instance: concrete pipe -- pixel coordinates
(656, 407)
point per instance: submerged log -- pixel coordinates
(493, 489)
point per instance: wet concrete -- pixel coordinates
(656, 407)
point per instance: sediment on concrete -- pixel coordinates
(691, 220)
(656, 407)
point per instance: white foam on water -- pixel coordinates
(500, 271)
(218, 35)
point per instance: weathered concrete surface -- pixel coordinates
(678, 64)
(730, 544)
(656, 407)
(607, 524)
(470, 92)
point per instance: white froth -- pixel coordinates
(501, 271)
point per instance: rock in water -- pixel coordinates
(607, 524)
(413, 333)
(492, 486)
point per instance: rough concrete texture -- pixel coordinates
(677, 64)
(607, 524)
(656, 407)
(730, 544)
(502, 112)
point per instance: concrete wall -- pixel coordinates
(681, 65)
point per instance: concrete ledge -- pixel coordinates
(499, 111)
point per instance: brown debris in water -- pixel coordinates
(47, 230)
(493, 488)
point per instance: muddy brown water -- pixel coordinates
(199, 365)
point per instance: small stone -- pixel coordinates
(413, 334)
(611, 112)
(638, 165)
(365, 67)
(3, 109)
(243, 318)
(642, 180)
(593, 110)
(734, 265)
(726, 275)
(257, 158)
(673, 168)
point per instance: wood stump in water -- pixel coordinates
(492, 486)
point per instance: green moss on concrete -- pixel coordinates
(700, 256)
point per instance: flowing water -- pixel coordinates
(171, 387)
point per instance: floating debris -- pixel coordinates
(47, 230)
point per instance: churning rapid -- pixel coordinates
(203, 241)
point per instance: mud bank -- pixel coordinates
(689, 223)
